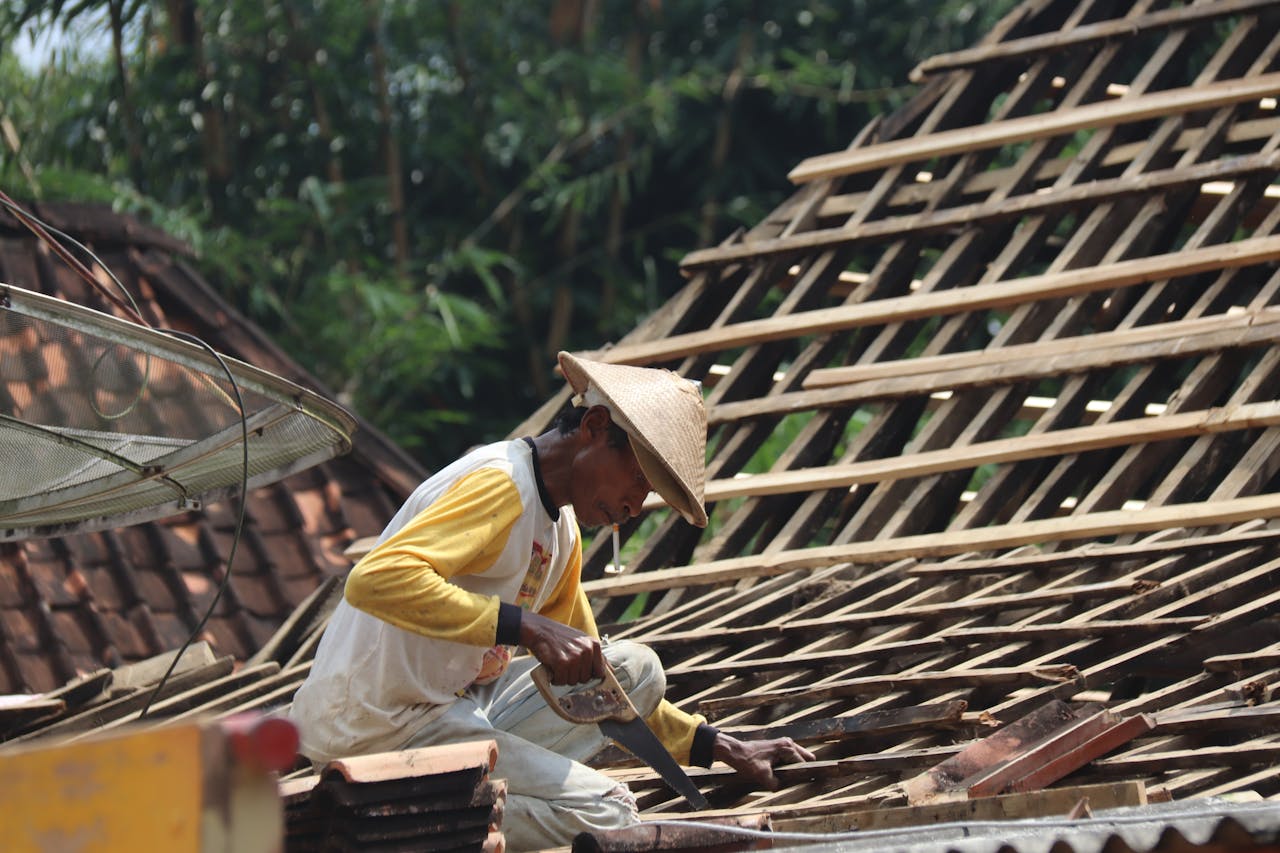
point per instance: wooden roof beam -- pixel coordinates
(1038, 45)
(1033, 446)
(976, 297)
(1099, 114)
(926, 545)
(1213, 173)
(1123, 346)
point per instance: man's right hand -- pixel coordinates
(572, 656)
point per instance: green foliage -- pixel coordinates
(554, 163)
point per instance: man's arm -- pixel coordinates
(755, 759)
(573, 656)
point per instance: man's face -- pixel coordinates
(608, 486)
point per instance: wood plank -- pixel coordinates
(1113, 341)
(1084, 34)
(1167, 102)
(1100, 744)
(920, 546)
(1204, 757)
(998, 209)
(867, 724)
(999, 294)
(962, 457)
(1247, 132)
(879, 685)
(1071, 631)
(1238, 718)
(996, 748)
(994, 779)
(801, 662)
(894, 614)
(1265, 658)
(1055, 802)
(1094, 553)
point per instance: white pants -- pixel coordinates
(551, 795)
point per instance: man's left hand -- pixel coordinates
(755, 759)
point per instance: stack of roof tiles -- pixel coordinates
(431, 799)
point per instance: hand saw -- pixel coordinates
(607, 705)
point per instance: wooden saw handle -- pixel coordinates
(603, 701)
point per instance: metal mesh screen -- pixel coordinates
(104, 422)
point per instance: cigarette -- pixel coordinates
(616, 568)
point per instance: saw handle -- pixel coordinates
(604, 701)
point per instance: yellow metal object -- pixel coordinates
(133, 792)
(176, 788)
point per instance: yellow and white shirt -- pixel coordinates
(419, 620)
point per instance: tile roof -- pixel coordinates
(75, 604)
(1017, 359)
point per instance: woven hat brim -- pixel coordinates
(642, 405)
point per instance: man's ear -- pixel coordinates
(595, 422)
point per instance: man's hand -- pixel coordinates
(572, 656)
(755, 759)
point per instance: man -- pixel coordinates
(487, 555)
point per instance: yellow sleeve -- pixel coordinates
(404, 580)
(675, 729)
(567, 603)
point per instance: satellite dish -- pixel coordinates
(105, 422)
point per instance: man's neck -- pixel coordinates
(555, 457)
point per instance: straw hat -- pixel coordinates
(663, 416)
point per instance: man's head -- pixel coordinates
(663, 419)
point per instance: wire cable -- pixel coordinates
(44, 232)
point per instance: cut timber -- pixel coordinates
(879, 685)
(1101, 114)
(1093, 553)
(1060, 766)
(1087, 526)
(1033, 446)
(1240, 718)
(1052, 803)
(802, 662)
(1000, 746)
(1183, 333)
(1070, 632)
(868, 723)
(898, 615)
(997, 779)
(1038, 46)
(998, 294)
(975, 215)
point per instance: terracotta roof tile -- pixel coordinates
(137, 591)
(125, 640)
(13, 587)
(102, 587)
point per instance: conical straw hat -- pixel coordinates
(662, 414)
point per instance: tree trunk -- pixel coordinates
(133, 143)
(390, 145)
(184, 31)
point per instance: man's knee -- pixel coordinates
(640, 673)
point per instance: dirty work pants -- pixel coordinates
(551, 796)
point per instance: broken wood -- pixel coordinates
(1008, 742)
